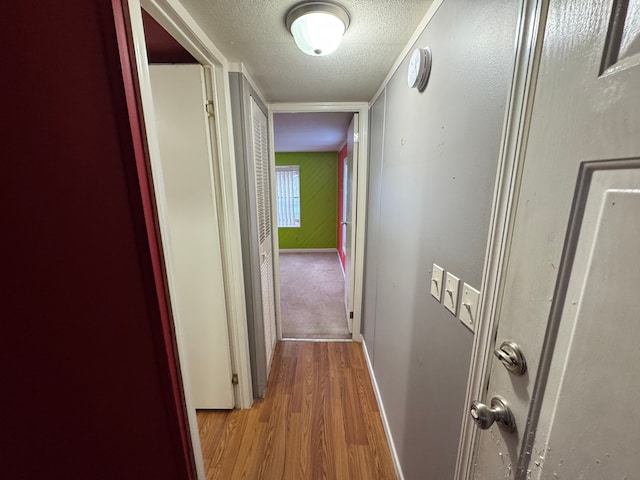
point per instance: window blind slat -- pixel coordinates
(288, 195)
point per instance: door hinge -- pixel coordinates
(234, 379)
(356, 137)
(351, 315)
(210, 108)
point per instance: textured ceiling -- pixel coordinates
(253, 32)
(310, 132)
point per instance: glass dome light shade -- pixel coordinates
(318, 33)
(317, 27)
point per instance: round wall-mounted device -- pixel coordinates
(419, 68)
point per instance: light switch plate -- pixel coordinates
(437, 274)
(469, 302)
(450, 298)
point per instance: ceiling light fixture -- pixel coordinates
(317, 27)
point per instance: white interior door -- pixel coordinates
(571, 285)
(346, 193)
(195, 263)
(349, 220)
(260, 154)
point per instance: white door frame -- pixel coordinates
(177, 21)
(362, 108)
(529, 38)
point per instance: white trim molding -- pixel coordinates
(184, 29)
(137, 31)
(431, 11)
(308, 250)
(383, 415)
(240, 67)
(175, 19)
(528, 44)
(361, 108)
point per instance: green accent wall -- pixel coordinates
(318, 200)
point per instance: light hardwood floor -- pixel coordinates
(319, 420)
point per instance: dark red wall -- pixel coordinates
(161, 46)
(342, 154)
(86, 390)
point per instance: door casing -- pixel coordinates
(361, 108)
(175, 19)
(350, 196)
(531, 27)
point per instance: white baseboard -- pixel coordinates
(308, 250)
(383, 414)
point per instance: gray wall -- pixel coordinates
(432, 173)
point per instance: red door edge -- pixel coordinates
(144, 213)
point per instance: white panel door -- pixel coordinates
(195, 262)
(572, 281)
(260, 154)
(589, 416)
(350, 196)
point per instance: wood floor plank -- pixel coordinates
(354, 426)
(274, 379)
(247, 462)
(319, 420)
(364, 388)
(210, 428)
(360, 462)
(297, 462)
(378, 446)
(322, 464)
(356, 355)
(275, 441)
(345, 352)
(337, 427)
(303, 378)
(227, 446)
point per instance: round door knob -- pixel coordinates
(512, 357)
(499, 412)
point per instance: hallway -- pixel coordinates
(319, 419)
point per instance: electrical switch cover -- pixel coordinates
(436, 282)
(450, 299)
(469, 302)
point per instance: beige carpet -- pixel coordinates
(312, 296)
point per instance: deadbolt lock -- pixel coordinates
(511, 356)
(499, 412)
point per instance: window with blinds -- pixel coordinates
(288, 195)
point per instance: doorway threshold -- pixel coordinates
(316, 340)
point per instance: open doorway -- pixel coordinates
(313, 189)
(192, 245)
(195, 206)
